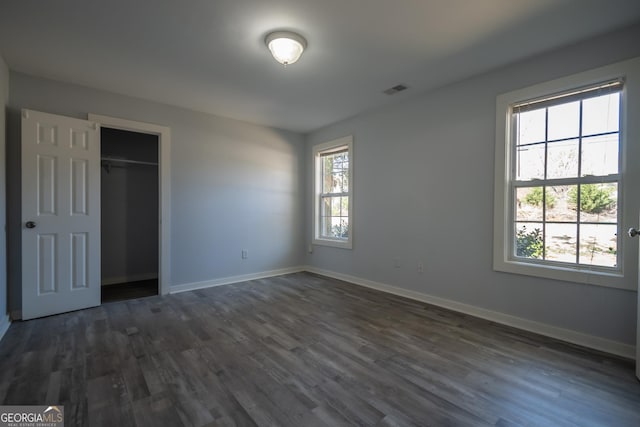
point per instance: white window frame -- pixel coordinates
(624, 276)
(326, 148)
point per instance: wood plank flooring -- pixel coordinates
(303, 350)
(129, 290)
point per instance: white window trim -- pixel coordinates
(347, 142)
(627, 275)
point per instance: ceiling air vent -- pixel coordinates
(395, 89)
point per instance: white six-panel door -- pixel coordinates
(634, 233)
(60, 214)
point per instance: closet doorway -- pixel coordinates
(163, 214)
(129, 192)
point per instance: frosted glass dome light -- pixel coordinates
(285, 46)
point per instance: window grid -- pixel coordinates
(546, 183)
(334, 196)
(333, 184)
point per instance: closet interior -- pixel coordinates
(129, 214)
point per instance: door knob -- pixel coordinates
(633, 232)
(30, 224)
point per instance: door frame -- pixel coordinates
(164, 171)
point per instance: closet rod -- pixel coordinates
(135, 162)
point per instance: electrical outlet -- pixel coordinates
(245, 254)
(421, 267)
(396, 262)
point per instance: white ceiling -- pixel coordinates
(209, 55)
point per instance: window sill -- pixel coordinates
(577, 275)
(343, 244)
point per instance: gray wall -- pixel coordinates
(423, 178)
(4, 100)
(234, 185)
(129, 207)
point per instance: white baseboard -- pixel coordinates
(5, 322)
(184, 287)
(127, 279)
(579, 338)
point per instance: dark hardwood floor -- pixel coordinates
(130, 290)
(303, 350)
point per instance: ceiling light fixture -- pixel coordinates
(285, 46)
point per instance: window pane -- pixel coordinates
(339, 228)
(340, 184)
(529, 240)
(342, 228)
(335, 206)
(561, 242)
(530, 162)
(558, 203)
(336, 185)
(335, 217)
(598, 202)
(334, 173)
(529, 204)
(564, 121)
(600, 155)
(325, 206)
(598, 244)
(344, 206)
(335, 227)
(531, 126)
(327, 167)
(601, 114)
(562, 158)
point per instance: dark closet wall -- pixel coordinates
(129, 207)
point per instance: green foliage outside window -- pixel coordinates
(535, 197)
(593, 198)
(341, 231)
(529, 244)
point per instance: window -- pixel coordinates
(333, 216)
(565, 179)
(560, 179)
